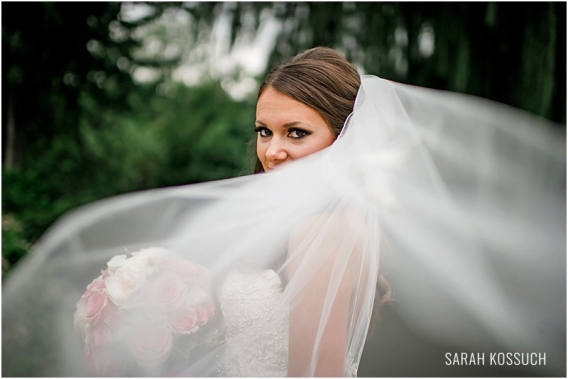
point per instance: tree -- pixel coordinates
(52, 54)
(514, 53)
(61, 62)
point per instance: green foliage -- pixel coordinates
(42, 188)
(195, 135)
(14, 245)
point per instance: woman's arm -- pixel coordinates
(328, 267)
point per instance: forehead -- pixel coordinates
(275, 106)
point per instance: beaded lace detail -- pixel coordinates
(257, 339)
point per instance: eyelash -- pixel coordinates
(302, 133)
(262, 129)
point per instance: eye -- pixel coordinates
(264, 132)
(297, 133)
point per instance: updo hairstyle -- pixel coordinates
(320, 78)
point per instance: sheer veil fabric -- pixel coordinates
(458, 200)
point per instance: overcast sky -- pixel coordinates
(212, 59)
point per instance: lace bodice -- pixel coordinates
(257, 341)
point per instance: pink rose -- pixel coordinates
(95, 304)
(151, 344)
(210, 308)
(100, 334)
(96, 285)
(110, 316)
(202, 314)
(167, 292)
(184, 320)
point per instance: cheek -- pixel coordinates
(314, 146)
(260, 150)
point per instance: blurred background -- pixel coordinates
(104, 98)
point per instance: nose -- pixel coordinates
(276, 152)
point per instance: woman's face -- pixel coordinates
(287, 129)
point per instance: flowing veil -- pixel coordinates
(459, 201)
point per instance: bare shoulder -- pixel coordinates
(327, 239)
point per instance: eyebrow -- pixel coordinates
(288, 124)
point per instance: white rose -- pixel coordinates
(196, 296)
(116, 262)
(145, 259)
(138, 263)
(123, 283)
(151, 253)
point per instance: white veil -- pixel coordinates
(461, 200)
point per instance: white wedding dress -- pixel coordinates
(247, 297)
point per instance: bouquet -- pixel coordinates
(141, 310)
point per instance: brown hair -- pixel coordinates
(322, 79)
(326, 81)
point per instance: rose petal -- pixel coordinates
(122, 285)
(151, 345)
(202, 315)
(167, 292)
(116, 262)
(95, 304)
(184, 320)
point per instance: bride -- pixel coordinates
(460, 200)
